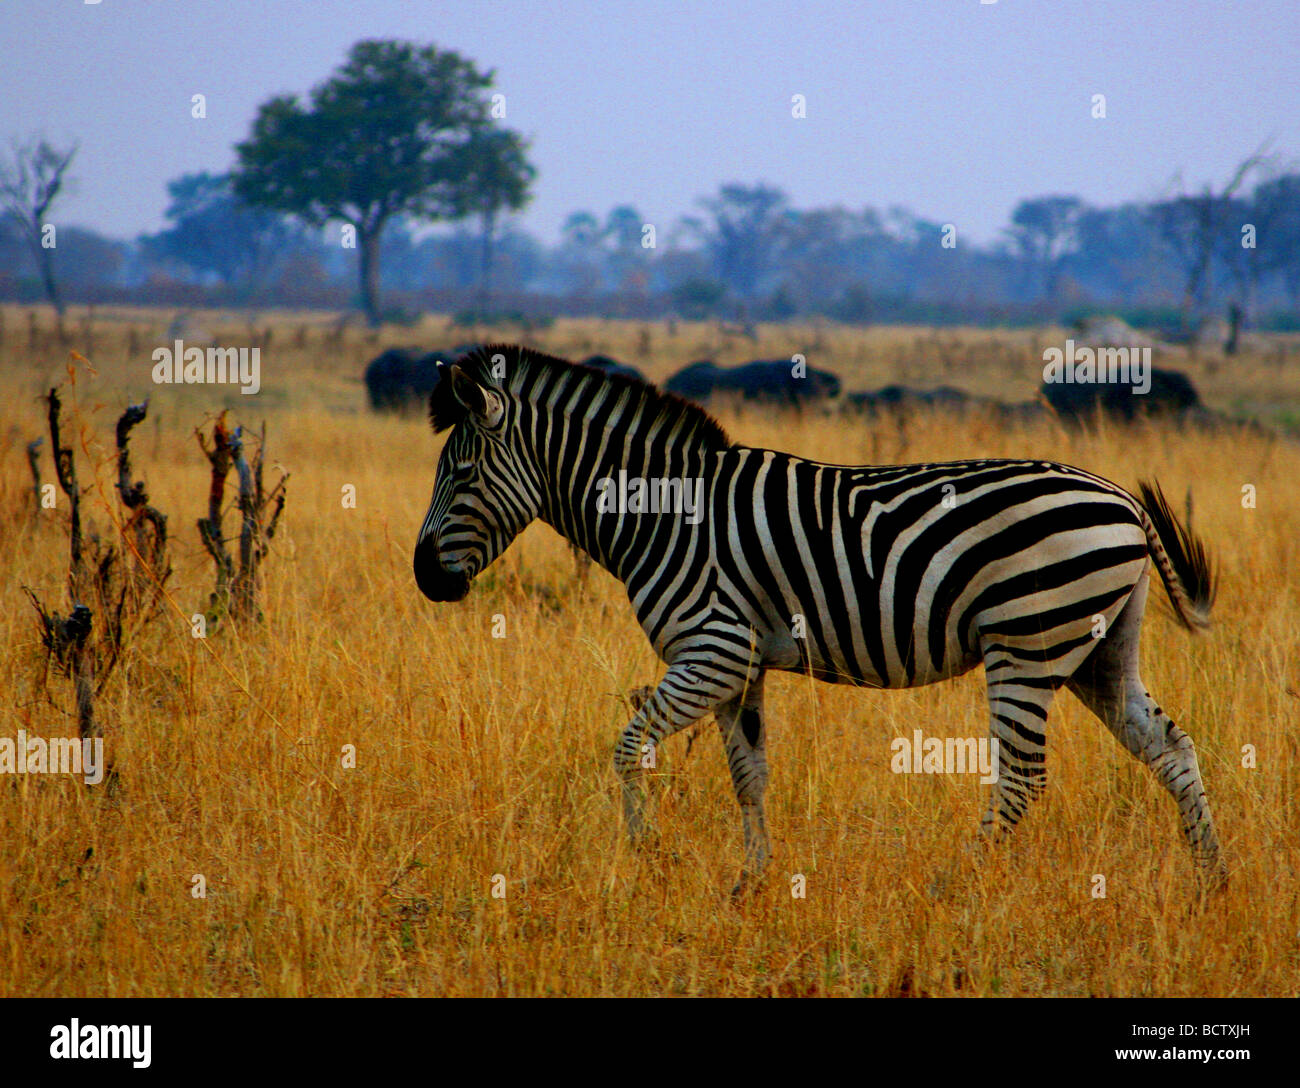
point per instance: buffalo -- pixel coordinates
(1171, 394)
(612, 366)
(943, 398)
(772, 380)
(401, 379)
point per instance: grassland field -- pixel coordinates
(484, 762)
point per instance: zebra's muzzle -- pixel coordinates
(435, 581)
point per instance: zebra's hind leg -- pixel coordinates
(1110, 685)
(744, 735)
(1019, 695)
(688, 691)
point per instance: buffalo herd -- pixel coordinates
(400, 380)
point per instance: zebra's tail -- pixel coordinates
(1180, 557)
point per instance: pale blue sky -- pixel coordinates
(952, 108)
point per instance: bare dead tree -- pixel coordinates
(219, 458)
(245, 585)
(87, 644)
(31, 178)
(145, 527)
(259, 515)
(67, 640)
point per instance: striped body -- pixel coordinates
(881, 576)
(900, 572)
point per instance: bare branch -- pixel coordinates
(34, 462)
(66, 469)
(219, 457)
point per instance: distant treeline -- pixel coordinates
(746, 255)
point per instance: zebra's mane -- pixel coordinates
(687, 421)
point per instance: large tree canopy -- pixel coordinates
(391, 133)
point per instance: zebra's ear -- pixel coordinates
(444, 409)
(482, 403)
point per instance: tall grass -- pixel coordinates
(479, 757)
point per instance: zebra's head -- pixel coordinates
(484, 495)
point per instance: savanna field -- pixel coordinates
(484, 763)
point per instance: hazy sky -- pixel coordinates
(952, 108)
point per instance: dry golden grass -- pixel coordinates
(479, 756)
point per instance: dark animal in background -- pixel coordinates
(770, 380)
(389, 379)
(695, 382)
(613, 366)
(1172, 394)
(401, 379)
(901, 399)
(900, 396)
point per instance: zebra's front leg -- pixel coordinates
(687, 692)
(744, 736)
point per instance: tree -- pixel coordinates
(213, 231)
(626, 259)
(386, 135)
(581, 230)
(623, 228)
(494, 176)
(1044, 229)
(698, 297)
(744, 234)
(830, 252)
(1275, 214)
(1117, 252)
(1244, 264)
(89, 259)
(1191, 228)
(580, 251)
(30, 181)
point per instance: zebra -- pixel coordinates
(879, 576)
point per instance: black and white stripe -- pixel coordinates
(880, 576)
